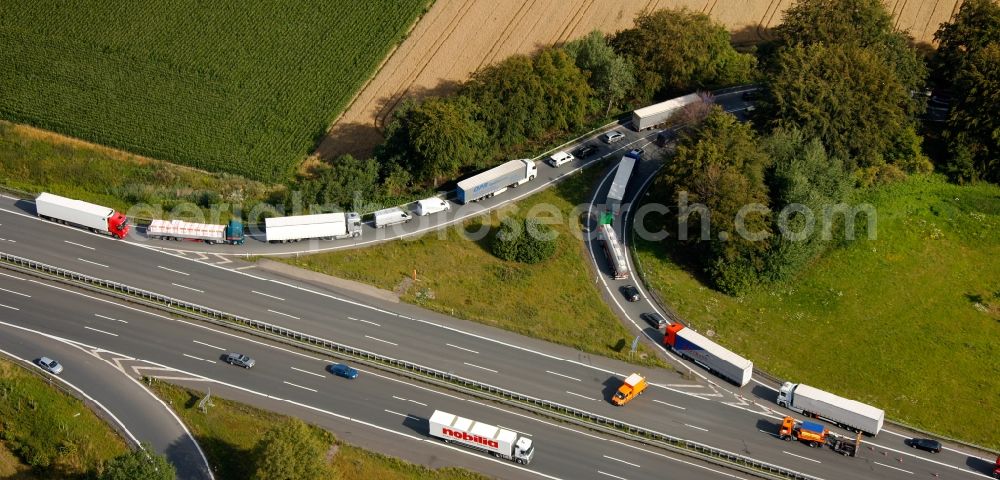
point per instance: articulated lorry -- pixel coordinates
(658, 113)
(231, 233)
(814, 402)
(497, 441)
(496, 180)
(325, 226)
(632, 387)
(694, 346)
(95, 218)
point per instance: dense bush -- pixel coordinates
(141, 464)
(524, 240)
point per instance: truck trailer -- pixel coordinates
(231, 233)
(618, 186)
(614, 251)
(496, 180)
(325, 226)
(631, 387)
(68, 211)
(694, 346)
(814, 402)
(497, 441)
(657, 114)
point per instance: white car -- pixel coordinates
(560, 158)
(612, 137)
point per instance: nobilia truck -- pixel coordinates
(303, 227)
(632, 387)
(496, 180)
(497, 441)
(694, 346)
(96, 218)
(231, 233)
(814, 402)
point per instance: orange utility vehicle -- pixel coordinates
(811, 433)
(631, 388)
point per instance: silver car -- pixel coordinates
(612, 137)
(240, 360)
(50, 365)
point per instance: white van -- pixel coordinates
(391, 216)
(560, 158)
(431, 205)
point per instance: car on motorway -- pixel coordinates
(750, 95)
(240, 360)
(927, 444)
(612, 136)
(50, 365)
(559, 158)
(636, 153)
(654, 319)
(343, 370)
(586, 151)
(665, 137)
(631, 293)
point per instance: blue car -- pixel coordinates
(342, 370)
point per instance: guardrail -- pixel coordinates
(580, 417)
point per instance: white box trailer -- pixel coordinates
(391, 216)
(496, 180)
(656, 114)
(82, 214)
(303, 227)
(431, 205)
(614, 251)
(695, 346)
(498, 441)
(618, 186)
(847, 413)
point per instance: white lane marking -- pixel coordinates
(408, 400)
(16, 293)
(307, 371)
(612, 476)
(209, 345)
(901, 452)
(109, 318)
(663, 455)
(189, 288)
(477, 366)
(11, 276)
(266, 295)
(696, 428)
(198, 358)
(172, 270)
(363, 321)
(402, 414)
(623, 461)
(462, 348)
(300, 386)
(285, 314)
(380, 340)
(581, 396)
(246, 267)
(669, 404)
(892, 467)
(800, 456)
(94, 263)
(79, 245)
(101, 331)
(564, 376)
(8, 240)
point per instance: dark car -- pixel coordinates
(586, 151)
(631, 293)
(636, 153)
(239, 360)
(750, 95)
(654, 319)
(342, 370)
(665, 137)
(932, 446)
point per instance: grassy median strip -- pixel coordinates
(908, 322)
(555, 300)
(46, 433)
(230, 430)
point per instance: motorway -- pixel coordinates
(376, 410)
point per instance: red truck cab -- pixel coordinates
(118, 225)
(996, 469)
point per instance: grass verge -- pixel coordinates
(230, 430)
(555, 300)
(909, 322)
(47, 431)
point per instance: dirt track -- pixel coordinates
(456, 37)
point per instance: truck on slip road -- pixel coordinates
(496, 180)
(658, 113)
(499, 442)
(614, 251)
(632, 387)
(231, 233)
(814, 402)
(325, 226)
(78, 213)
(694, 346)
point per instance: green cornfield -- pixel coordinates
(222, 85)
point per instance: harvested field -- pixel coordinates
(456, 37)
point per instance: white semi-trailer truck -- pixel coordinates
(95, 218)
(496, 180)
(499, 442)
(847, 413)
(303, 227)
